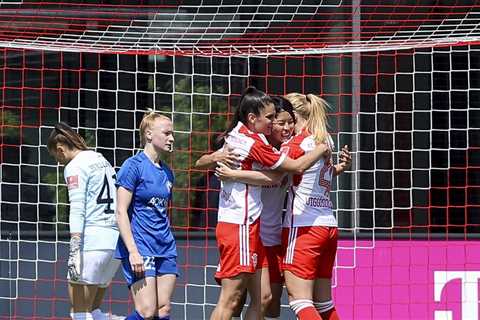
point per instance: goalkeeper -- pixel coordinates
(93, 227)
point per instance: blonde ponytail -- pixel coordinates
(313, 109)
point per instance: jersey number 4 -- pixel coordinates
(108, 200)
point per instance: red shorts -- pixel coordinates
(239, 247)
(273, 261)
(309, 252)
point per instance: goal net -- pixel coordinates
(403, 80)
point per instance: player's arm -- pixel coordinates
(124, 198)
(259, 178)
(224, 155)
(77, 188)
(345, 161)
(300, 164)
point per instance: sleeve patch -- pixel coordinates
(72, 182)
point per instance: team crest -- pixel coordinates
(255, 260)
(72, 182)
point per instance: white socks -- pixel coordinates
(97, 314)
(324, 306)
(81, 316)
(298, 305)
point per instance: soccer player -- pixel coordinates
(240, 204)
(273, 196)
(147, 246)
(93, 228)
(310, 227)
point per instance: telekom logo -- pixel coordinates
(469, 281)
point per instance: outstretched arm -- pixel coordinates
(258, 178)
(298, 166)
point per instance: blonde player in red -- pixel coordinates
(240, 204)
(310, 227)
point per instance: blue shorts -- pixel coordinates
(154, 266)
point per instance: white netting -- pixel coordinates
(410, 116)
(223, 28)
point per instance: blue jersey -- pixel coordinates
(151, 188)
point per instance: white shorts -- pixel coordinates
(98, 268)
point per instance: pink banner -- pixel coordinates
(409, 280)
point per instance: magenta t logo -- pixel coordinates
(469, 281)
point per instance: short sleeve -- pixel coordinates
(292, 150)
(128, 175)
(171, 180)
(266, 155)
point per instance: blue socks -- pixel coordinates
(136, 316)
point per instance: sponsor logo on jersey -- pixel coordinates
(72, 182)
(158, 202)
(319, 202)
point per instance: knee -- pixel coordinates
(236, 299)
(164, 309)
(147, 311)
(231, 301)
(266, 298)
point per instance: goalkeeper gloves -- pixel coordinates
(74, 258)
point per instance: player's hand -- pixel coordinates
(345, 158)
(136, 262)
(227, 156)
(74, 258)
(223, 172)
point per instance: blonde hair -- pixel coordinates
(313, 109)
(147, 122)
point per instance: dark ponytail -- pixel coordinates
(252, 101)
(64, 134)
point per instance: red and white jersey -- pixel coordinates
(309, 201)
(238, 202)
(273, 199)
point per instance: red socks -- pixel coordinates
(304, 310)
(327, 310)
